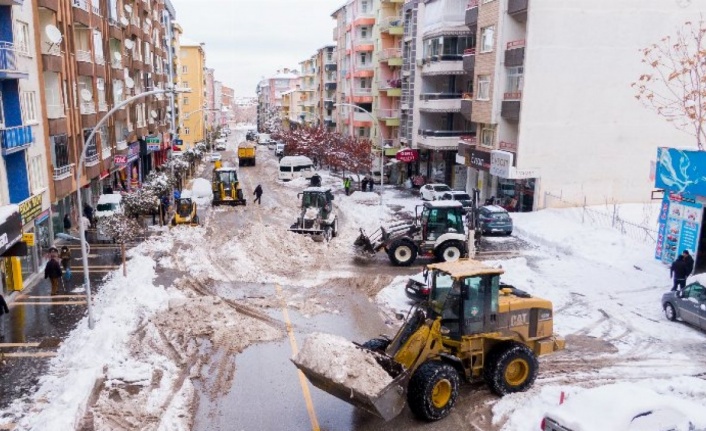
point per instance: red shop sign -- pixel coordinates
(119, 159)
(407, 155)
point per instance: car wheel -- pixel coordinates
(433, 390)
(402, 253)
(508, 233)
(669, 312)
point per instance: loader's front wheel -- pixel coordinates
(402, 253)
(510, 368)
(433, 390)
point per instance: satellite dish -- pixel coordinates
(86, 95)
(129, 44)
(117, 55)
(100, 85)
(153, 113)
(128, 8)
(53, 34)
(124, 22)
(129, 82)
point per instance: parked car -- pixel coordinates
(689, 305)
(108, 205)
(432, 192)
(251, 135)
(220, 144)
(459, 196)
(621, 407)
(494, 219)
(279, 149)
(214, 157)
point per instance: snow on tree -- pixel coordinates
(122, 229)
(139, 202)
(159, 183)
(675, 86)
(273, 119)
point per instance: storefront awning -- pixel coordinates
(11, 232)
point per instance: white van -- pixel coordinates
(263, 139)
(108, 205)
(279, 149)
(291, 167)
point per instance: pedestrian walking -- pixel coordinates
(164, 208)
(347, 185)
(678, 271)
(88, 213)
(364, 184)
(86, 223)
(67, 223)
(370, 183)
(689, 261)
(52, 270)
(4, 309)
(258, 194)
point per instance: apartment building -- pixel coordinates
(552, 103)
(178, 112)
(23, 160)
(326, 86)
(270, 93)
(218, 103)
(210, 99)
(228, 103)
(355, 48)
(306, 95)
(192, 74)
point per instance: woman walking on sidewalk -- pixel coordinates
(53, 270)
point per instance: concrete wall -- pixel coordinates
(580, 122)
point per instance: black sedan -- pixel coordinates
(688, 305)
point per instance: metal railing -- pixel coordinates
(8, 57)
(121, 145)
(512, 95)
(389, 53)
(16, 137)
(81, 4)
(95, 9)
(516, 44)
(92, 160)
(83, 56)
(388, 113)
(106, 152)
(390, 21)
(53, 49)
(63, 172)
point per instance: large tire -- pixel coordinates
(670, 312)
(376, 344)
(433, 390)
(327, 233)
(196, 220)
(450, 251)
(402, 253)
(510, 367)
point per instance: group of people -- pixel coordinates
(681, 268)
(56, 269)
(366, 184)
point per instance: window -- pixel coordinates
(483, 87)
(363, 58)
(185, 84)
(487, 39)
(186, 101)
(514, 79)
(364, 6)
(187, 131)
(487, 135)
(28, 105)
(22, 41)
(36, 174)
(184, 69)
(364, 32)
(60, 150)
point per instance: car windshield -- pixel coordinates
(441, 188)
(106, 207)
(184, 207)
(228, 177)
(316, 200)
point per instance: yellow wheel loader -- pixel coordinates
(469, 329)
(226, 187)
(186, 212)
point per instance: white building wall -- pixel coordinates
(580, 122)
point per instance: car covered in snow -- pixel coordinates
(459, 196)
(108, 205)
(220, 144)
(623, 407)
(494, 219)
(689, 304)
(432, 192)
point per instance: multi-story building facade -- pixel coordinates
(23, 159)
(218, 103)
(269, 98)
(307, 99)
(326, 86)
(228, 103)
(193, 104)
(178, 112)
(210, 99)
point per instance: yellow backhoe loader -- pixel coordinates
(226, 187)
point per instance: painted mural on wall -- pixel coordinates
(681, 171)
(679, 225)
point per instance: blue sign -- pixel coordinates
(679, 225)
(681, 171)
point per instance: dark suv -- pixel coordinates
(460, 196)
(494, 219)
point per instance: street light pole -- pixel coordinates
(79, 169)
(382, 151)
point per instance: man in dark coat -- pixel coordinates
(88, 213)
(53, 270)
(689, 261)
(67, 223)
(678, 271)
(258, 194)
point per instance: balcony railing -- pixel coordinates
(15, 138)
(106, 152)
(63, 172)
(512, 95)
(100, 59)
(391, 21)
(364, 66)
(121, 144)
(386, 84)
(362, 91)
(51, 49)
(389, 53)
(103, 106)
(116, 63)
(96, 10)
(88, 108)
(84, 56)
(361, 41)
(388, 113)
(440, 96)
(92, 160)
(444, 133)
(8, 59)
(82, 4)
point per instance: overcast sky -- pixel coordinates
(248, 39)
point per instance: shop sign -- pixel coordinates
(523, 174)
(501, 163)
(10, 231)
(133, 151)
(479, 159)
(681, 171)
(407, 155)
(30, 208)
(679, 226)
(28, 238)
(41, 217)
(119, 159)
(153, 143)
(508, 146)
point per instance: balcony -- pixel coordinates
(447, 64)
(52, 5)
(63, 172)
(391, 117)
(393, 25)
(92, 160)
(392, 86)
(440, 102)
(329, 104)
(515, 53)
(81, 11)
(102, 106)
(511, 105)
(391, 56)
(81, 4)
(99, 59)
(16, 138)
(121, 144)
(469, 60)
(362, 119)
(472, 15)
(363, 44)
(330, 67)
(9, 68)
(517, 9)
(441, 139)
(467, 106)
(116, 63)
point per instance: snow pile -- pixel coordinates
(344, 363)
(201, 191)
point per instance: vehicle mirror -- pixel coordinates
(399, 316)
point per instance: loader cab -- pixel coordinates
(440, 217)
(467, 303)
(317, 197)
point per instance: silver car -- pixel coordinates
(688, 305)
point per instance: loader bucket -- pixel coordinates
(363, 244)
(316, 234)
(387, 404)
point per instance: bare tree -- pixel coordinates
(675, 86)
(121, 229)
